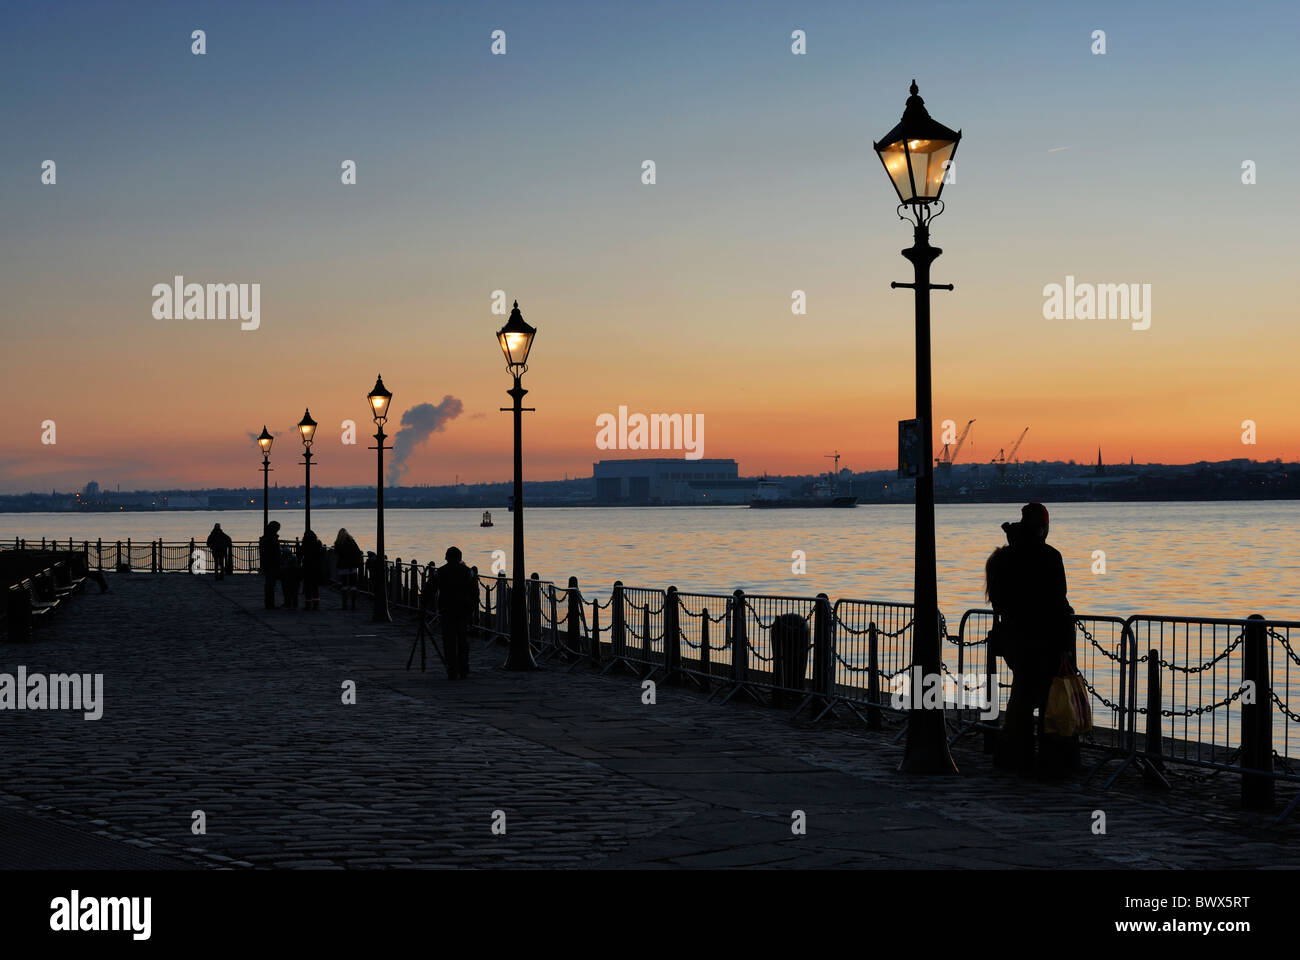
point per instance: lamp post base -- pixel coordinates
(927, 751)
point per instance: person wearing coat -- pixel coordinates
(1027, 587)
(347, 557)
(311, 560)
(457, 599)
(268, 553)
(220, 544)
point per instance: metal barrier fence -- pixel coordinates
(149, 556)
(1211, 687)
(704, 636)
(638, 638)
(873, 645)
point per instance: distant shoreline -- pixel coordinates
(543, 505)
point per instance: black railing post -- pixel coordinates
(99, 554)
(574, 632)
(873, 676)
(555, 627)
(534, 609)
(823, 647)
(153, 556)
(618, 627)
(595, 632)
(705, 652)
(1155, 704)
(739, 638)
(189, 564)
(672, 634)
(480, 618)
(992, 693)
(1257, 720)
(503, 605)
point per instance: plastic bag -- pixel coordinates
(1068, 711)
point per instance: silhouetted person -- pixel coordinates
(311, 559)
(429, 589)
(220, 544)
(290, 576)
(457, 598)
(268, 558)
(347, 560)
(1026, 585)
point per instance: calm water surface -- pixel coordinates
(1222, 559)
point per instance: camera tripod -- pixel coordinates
(425, 632)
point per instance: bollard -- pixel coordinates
(595, 632)
(672, 634)
(1257, 720)
(618, 634)
(873, 676)
(1154, 705)
(823, 648)
(739, 638)
(575, 615)
(534, 597)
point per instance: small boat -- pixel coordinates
(487, 519)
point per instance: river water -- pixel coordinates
(1188, 559)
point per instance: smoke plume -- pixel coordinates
(418, 423)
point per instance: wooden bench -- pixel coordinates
(29, 601)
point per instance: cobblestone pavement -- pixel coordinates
(212, 703)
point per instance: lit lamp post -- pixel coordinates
(307, 427)
(379, 399)
(516, 339)
(265, 441)
(916, 155)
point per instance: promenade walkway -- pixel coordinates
(212, 703)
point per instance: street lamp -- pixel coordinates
(307, 427)
(379, 399)
(917, 155)
(516, 339)
(265, 441)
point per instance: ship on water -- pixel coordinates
(825, 493)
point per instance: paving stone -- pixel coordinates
(212, 703)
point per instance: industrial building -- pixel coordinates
(664, 480)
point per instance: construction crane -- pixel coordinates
(1002, 458)
(836, 457)
(944, 461)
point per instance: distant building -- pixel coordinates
(91, 492)
(670, 480)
